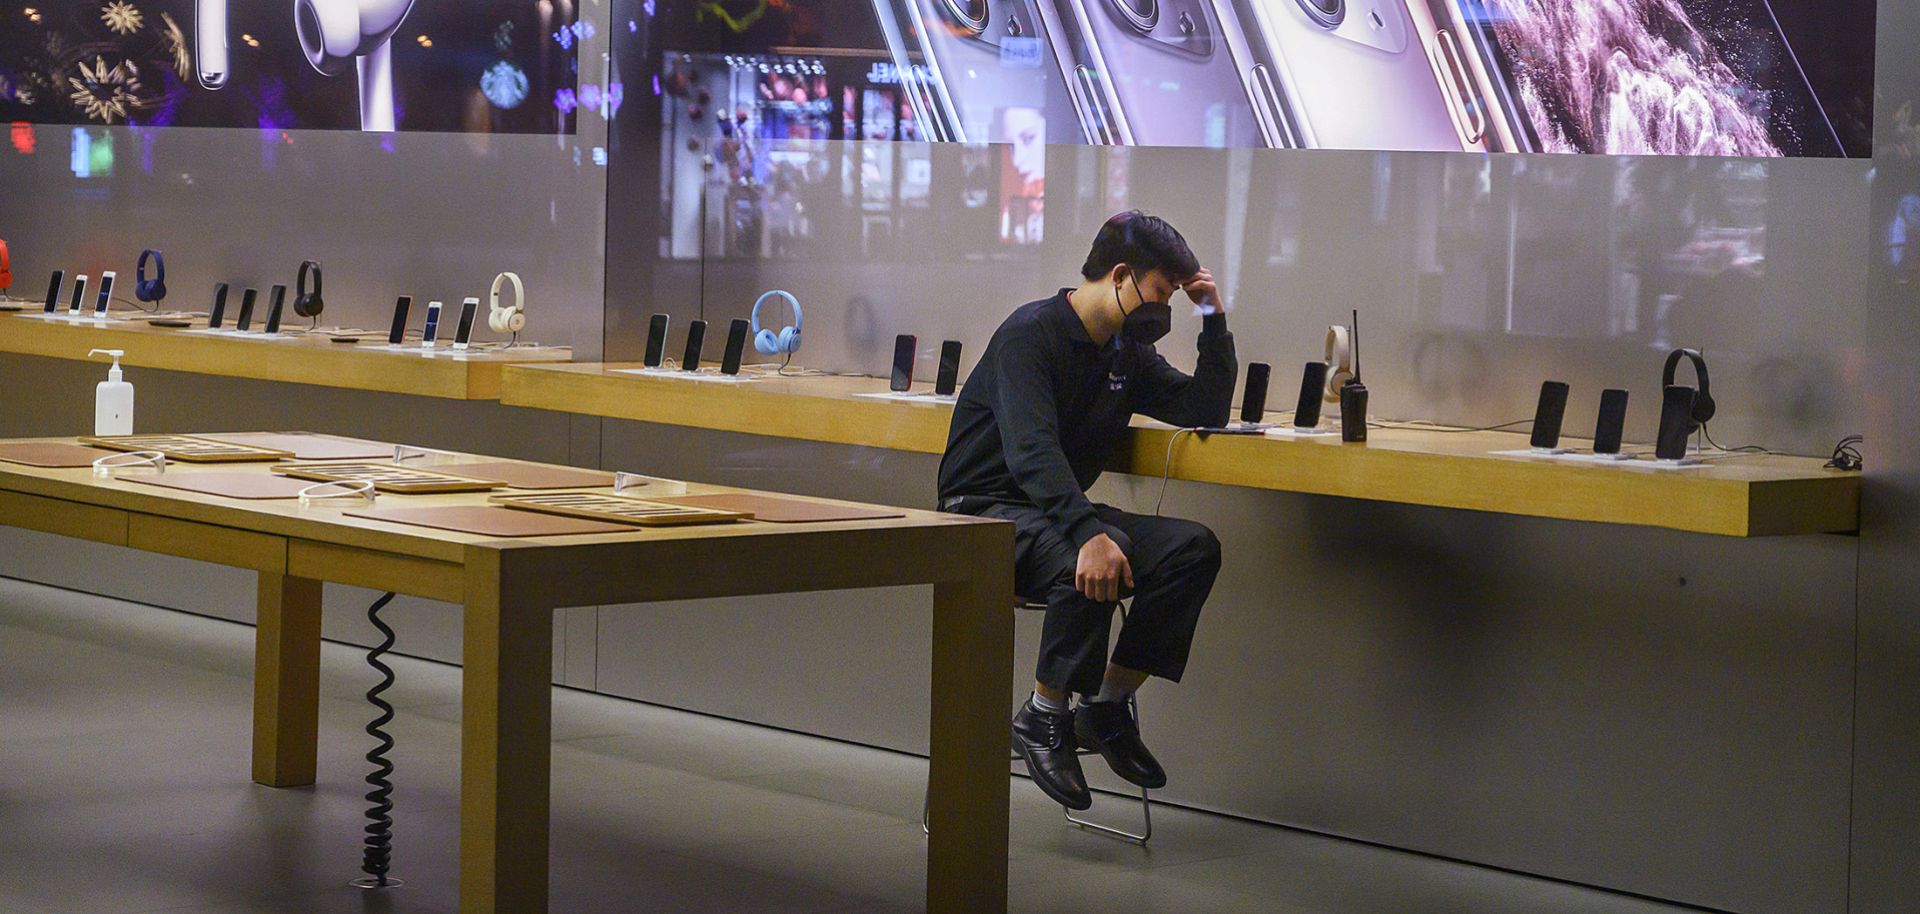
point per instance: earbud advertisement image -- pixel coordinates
(471, 66)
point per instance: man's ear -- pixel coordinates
(1120, 272)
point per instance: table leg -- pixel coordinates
(505, 750)
(286, 681)
(967, 780)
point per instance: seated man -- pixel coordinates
(1052, 395)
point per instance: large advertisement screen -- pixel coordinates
(478, 66)
(1630, 77)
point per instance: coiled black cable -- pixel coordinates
(377, 857)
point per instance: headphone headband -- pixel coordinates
(300, 280)
(519, 292)
(1703, 405)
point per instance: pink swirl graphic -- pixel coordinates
(1627, 77)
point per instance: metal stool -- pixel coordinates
(1146, 800)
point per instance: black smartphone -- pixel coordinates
(1253, 402)
(463, 332)
(245, 320)
(431, 332)
(276, 302)
(397, 333)
(53, 290)
(656, 341)
(1676, 422)
(736, 344)
(101, 302)
(1613, 419)
(904, 347)
(218, 315)
(948, 380)
(1548, 415)
(1313, 383)
(79, 294)
(696, 335)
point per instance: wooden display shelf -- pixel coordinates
(1737, 495)
(296, 360)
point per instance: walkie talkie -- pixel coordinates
(1353, 396)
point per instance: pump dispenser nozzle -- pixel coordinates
(113, 374)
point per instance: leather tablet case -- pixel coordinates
(51, 455)
(779, 510)
(310, 446)
(519, 475)
(226, 485)
(489, 521)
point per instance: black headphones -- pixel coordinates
(150, 289)
(308, 303)
(1703, 398)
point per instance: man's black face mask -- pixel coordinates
(1148, 322)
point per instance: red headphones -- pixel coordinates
(6, 266)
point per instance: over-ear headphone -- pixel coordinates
(1339, 362)
(150, 289)
(787, 340)
(507, 320)
(6, 266)
(308, 302)
(1703, 398)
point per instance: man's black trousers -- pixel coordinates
(1174, 563)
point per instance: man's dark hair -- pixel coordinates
(1143, 242)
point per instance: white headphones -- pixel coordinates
(1339, 362)
(507, 320)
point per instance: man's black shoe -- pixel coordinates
(1109, 728)
(1045, 740)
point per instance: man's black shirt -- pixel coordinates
(1044, 407)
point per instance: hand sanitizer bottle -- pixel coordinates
(112, 399)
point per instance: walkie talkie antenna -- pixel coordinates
(1353, 333)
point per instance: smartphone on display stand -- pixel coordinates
(244, 322)
(431, 334)
(981, 71)
(948, 380)
(53, 290)
(217, 315)
(463, 331)
(1728, 49)
(104, 300)
(1313, 391)
(656, 341)
(1676, 423)
(1612, 423)
(1547, 418)
(1154, 72)
(276, 303)
(79, 295)
(904, 348)
(696, 337)
(736, 346)
(397, 334)
(1353, 74)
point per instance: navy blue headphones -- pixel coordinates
(151, 290)
(787, 340)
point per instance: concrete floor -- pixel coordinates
(124, 787)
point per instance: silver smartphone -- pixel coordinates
(1154, 72)
(1352, 74)
(980, 71)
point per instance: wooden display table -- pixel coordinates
(309, 359)
(510, 588)
(1736, 495)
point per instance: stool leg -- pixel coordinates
(1145, 833)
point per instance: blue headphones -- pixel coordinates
(788, 339)
(150, 289)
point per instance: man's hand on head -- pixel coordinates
(1205, 294)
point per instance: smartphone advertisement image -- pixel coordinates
(1746, 78)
